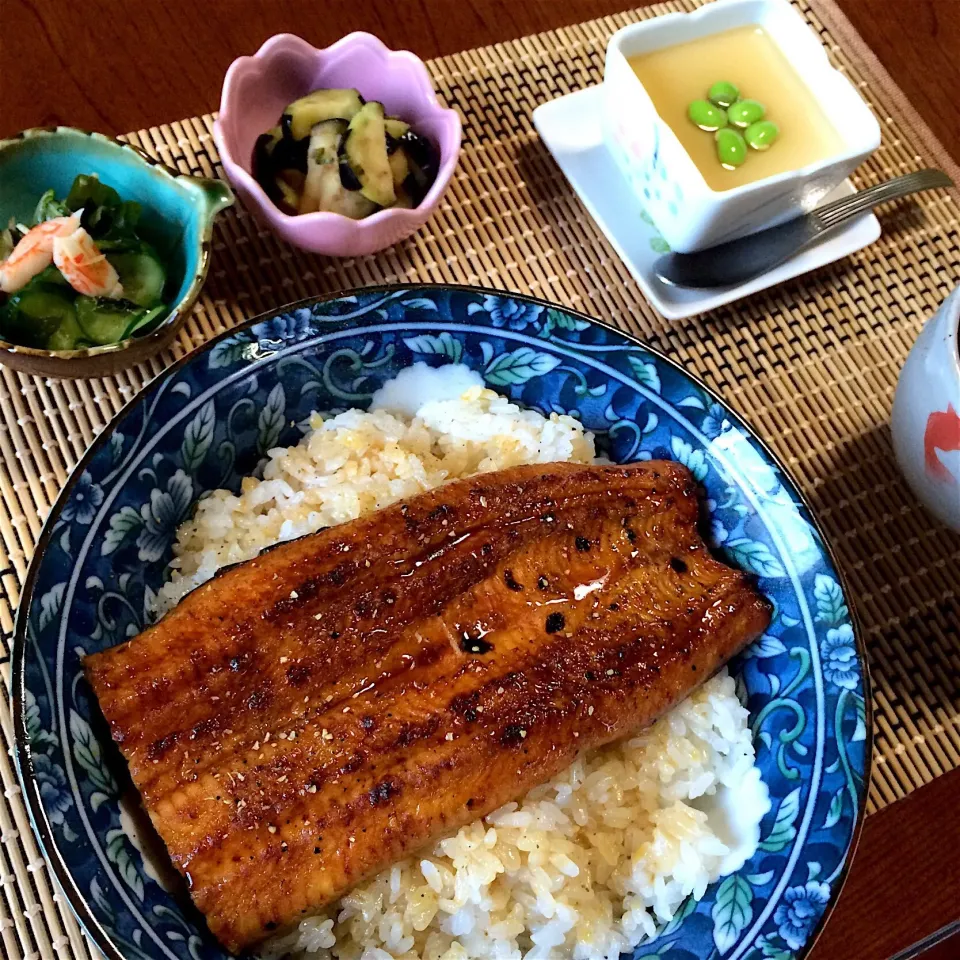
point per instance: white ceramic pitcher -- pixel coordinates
(926, 414)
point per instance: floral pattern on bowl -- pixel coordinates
(209, 420)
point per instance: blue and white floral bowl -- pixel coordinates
(209, 420)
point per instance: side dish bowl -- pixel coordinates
(178, 214)
(108, 542)
(256, 90)
(689, 214)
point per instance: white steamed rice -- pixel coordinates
(586, 866)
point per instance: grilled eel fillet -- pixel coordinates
(311, 716)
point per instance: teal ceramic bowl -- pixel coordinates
(178, 214)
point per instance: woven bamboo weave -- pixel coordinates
(812, 366)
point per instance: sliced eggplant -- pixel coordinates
(289, 201)
(395, 127)
(279, 165)
(399, 167)
(263, 169)
(293, 178)
(347, 177)
(334, 151)
(351, 204)
(304, 114)
(365, 150)
(285, 121)
(322, 164)
(416, 184)
(267, 141)
(421, 151)
(290, 154)
(325, 142)
(404, 200)
(323, 189)
(424, 161)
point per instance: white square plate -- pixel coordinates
(570, 127)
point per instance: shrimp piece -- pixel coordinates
(34, 252)
(84, 267)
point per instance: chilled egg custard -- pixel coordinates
(764, 119)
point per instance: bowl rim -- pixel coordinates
(179, 312)
(22, 754)
(244, 180)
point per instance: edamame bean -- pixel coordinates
(745, 112)
(706, 116)
(761, 135)
(731, 149)
(723, 93)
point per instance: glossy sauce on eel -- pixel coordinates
(311, 716)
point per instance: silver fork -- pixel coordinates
(736, 262)
(831, 214)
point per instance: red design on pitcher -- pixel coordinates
(942, 433)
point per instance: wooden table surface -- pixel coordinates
(119, 65)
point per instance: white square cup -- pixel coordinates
(686, 211)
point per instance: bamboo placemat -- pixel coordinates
(812, 365)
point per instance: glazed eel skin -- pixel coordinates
(311, 716)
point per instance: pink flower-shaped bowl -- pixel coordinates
(257, 88)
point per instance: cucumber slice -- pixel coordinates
(68, 336)
(145, 322)
(51, 276)
(323, 189)
(32, 316)
(41, 303)
(318, 106)
(395, 127)
(365, 150)
(105, 321)
(142, 275)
